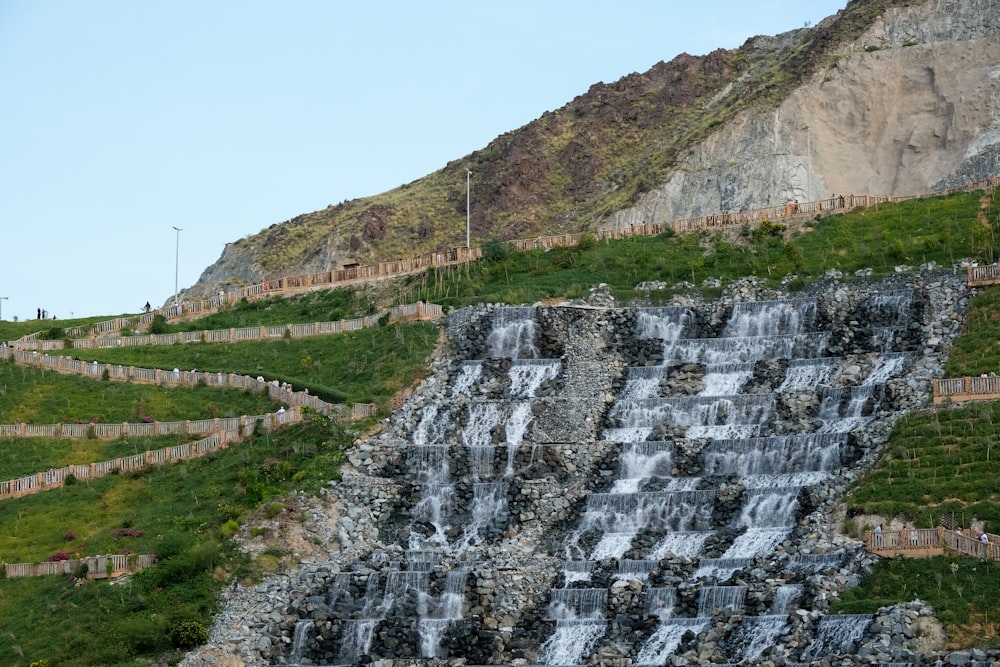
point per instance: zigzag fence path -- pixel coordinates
(104, 334)
(118, 373)
(922, 542)
(360, 274)
(223, 432)
(98, 567)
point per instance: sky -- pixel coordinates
(122, 120)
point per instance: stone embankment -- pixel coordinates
(404, 518)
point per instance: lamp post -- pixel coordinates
(177, 264)
(2, 299)
(468, 190)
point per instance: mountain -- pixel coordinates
(885, 97)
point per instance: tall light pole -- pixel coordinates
(468, 210)
(2, 299)
(177, 264)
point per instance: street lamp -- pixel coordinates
(468, 179)
(2, 299)
(177, 264)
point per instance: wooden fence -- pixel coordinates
(98, 567)
(957, 390)
(56, 477)
(119, 373)
(104, 334)
(916, 540)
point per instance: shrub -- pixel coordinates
(494, 250)
(188, 634)
(70, 480)
(58, 556)
(69, 535)
(588, 241)
(274, 509)
(158, 325)
(229, 528)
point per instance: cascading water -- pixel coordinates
(835, 635)
(470, 494)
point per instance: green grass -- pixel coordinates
(962, 591)
(366, 366)
(37, 396)
(913, 232)
(937, 464)
(977, 351)
(318, 306)
(20, 457)
(181, 510)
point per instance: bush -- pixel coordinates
(229, 528)
(494, 250)
(188, 634)
(158, 325)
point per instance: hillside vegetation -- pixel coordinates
(188, 512)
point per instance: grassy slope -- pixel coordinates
(187, 511)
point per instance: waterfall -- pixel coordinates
(619, 517)
(681, 544)
(660, 602)
(483, 418)
(726, 599)
(667, 637)
(299, 635)
(785, 596)
(815, 563)
(756, 635)
(836, 635)
(513, 334)
(434, 506)
(635, 569)
(892, 308)
(641, 461)
(889, 365)
(774, 455)
(726, 379)
(480, 458)
(666, 324)
(742, 350)
(642, 382)
(704, 416)
(517, 426)
(432, 427)
(807, 374)
(721, 568)
(357, 633)
(527, 375)
(769, 507)
(770, 318)
(756, 542)
(443, 612)
(577, 570)
(836, 416)
(580, 623)
(468, 374)
(489, 507)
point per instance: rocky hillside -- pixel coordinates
(886, 97)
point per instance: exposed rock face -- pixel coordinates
(916, 113)
(507, 516)
(920, 113)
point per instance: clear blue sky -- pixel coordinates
(122, 119)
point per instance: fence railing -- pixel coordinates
(970, 388)
(118, 373)
(81, 336)
(98, 567)
(917, 539)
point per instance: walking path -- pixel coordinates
(926, 542)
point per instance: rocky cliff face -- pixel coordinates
(910, 107)
(588, 484)
(897, 101)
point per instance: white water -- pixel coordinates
(835, 635)
(756, 635)
(769, 507)
(442, 612)
(516, 427)
(721, 568)
(468, 375)
(774, 455)
(527, 375)
(815, 563)
(770, 318)
(432, 427)
(808, 374)
(666, 324)
(299, 635)
(756, 542)
(733, 350)
(489, 506)
(577, 570)
(513, 334)
(726, 599)
(667, 637)
(642, 382)
(579, 616)
(725, 379)
(785, 597)
(660, 602)
(683, 544)
(641, 461)
(635, 569)
(436, 490)
(888, 366)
